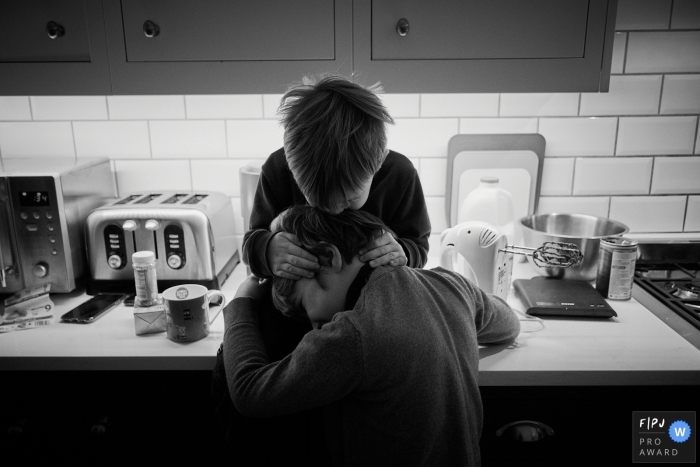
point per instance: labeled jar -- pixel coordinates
(616, 261)
(144, 264)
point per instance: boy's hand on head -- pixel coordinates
(287, 259)
(384, 250)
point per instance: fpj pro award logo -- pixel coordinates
(663, 437)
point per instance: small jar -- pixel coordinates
(144, 264)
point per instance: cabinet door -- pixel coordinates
(478, 46)
(207, 30)
(209, 46)
(52, 47)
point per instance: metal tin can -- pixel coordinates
(616, 260)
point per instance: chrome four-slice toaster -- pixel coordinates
(191, 234)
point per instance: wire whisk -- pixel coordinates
(550, 254)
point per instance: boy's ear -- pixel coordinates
(329, 256)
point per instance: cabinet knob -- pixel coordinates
(150, 29)
(402, 27)
(525, 431)
(54, 30)
(40, 269)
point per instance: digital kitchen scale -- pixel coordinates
(544, 296)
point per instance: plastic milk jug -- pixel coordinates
(492, 204)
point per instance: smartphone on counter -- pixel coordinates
(94, 308)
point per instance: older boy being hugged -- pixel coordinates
(393, 358)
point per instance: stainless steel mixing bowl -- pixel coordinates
(582, 230)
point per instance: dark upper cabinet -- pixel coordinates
(213, 46)
(260, 46)
(53, 47)
(484, 46)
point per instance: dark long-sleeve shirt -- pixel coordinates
(395, 197)
(397, 375)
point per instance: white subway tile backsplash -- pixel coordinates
(674, 175)
(218, 175)
(251, 139)
(613, 176)
(539, 105)
(692, 215)
(686, 14)
(643, 14)
(590, 205)
(116, 140)
(618, 58)
(69, 107)
(188, 139)
(579, 136)
(150, 175)
(649, 213)
(146, 107)
(36, 139)
(681, 94)
(271, 103)
(224, 106)
(628, 95)
(433, 176)
(697, 141)
(459, 105)
(401, 105)
(422, 137)
(497, 125)
(436, 212)
(663, 52)
(557, 176)
(15, 108)
(638, 136)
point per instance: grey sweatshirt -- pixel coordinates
(397, 375)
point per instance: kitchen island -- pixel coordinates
(566, 373)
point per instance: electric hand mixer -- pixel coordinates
(484, 257)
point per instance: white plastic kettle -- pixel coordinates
(475, 250)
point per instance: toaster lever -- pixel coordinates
(130, 225)
(152, 224)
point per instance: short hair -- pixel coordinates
(334, 136)
(349, 231)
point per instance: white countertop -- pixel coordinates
(634, 348)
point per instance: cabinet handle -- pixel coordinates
(150, 29)
(54, 30)
(525, 430)
(402, 27)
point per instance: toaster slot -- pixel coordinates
(174, 246)
(148, 198)
(115, 246)
(174, 199)
(128, 199)
(194, 199)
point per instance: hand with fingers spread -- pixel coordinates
(287, 259)
(384, 250)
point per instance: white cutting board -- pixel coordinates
(516, 160)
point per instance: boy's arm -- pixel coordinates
(325, 366)
(496, 323)
(258, 235)
(411, 224)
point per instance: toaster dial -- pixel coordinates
(174, 246)
(115, 246)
